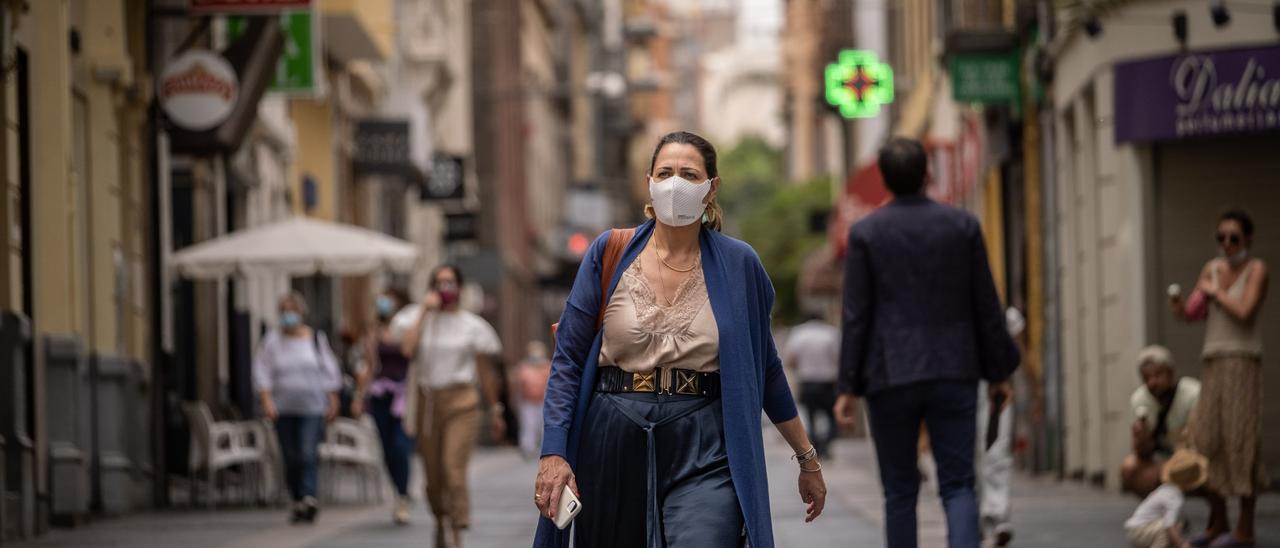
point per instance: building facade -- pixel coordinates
(1144, 166)
(76, 328)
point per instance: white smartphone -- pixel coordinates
(570, 506)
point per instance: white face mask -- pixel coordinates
(1239, 258)
(677, 201)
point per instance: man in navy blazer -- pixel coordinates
(922, 324)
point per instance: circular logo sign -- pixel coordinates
(198, 89)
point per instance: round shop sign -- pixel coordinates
(198, 90)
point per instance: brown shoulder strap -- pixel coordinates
(613, 250)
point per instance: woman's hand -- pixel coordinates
(1176, 305)
(269, 409)
(813, 491)
(846, 410)
(335, 404)
(553, 474)
(1209, 288)
(432, 300)
(498, 422)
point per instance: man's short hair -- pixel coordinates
(903, 165)
(1154, 355)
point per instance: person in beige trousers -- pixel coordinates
(451, 350)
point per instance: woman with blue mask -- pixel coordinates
(383, 381)
(295, 375)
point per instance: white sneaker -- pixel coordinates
(400, 515)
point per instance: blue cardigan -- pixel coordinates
(751, 374)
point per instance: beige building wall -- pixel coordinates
(53, 202)
(86, 119)
(313, 119)
(101, 29)
(546, 155)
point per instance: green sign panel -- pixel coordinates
(296, 71)
(858, 83)
(986, 78)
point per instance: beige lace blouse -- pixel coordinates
(641, 334)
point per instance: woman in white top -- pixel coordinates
(296, 377)
(451, 349)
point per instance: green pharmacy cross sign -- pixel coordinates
(859, 83)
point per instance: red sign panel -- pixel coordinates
(955, 169)
(247, 6)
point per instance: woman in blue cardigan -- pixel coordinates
(653, 419)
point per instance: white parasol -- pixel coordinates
(297, 247)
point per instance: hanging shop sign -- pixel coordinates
(198, 90)
(207, 7)
(858, 84)
(1198, 94)
(447, 178)
(461, 227)
(297, 70)
(381, 148)
(985, 78)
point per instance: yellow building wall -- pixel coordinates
(313, 120)
(52, 204)
(102, 30)
(992, 219)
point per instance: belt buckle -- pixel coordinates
(687, 382)
(643, 382)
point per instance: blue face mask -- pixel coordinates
(290, 320)
(385, 306)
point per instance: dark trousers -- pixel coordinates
(300, 443)
(819, 399)
(396, 446)
(948, 409)
(697, 506)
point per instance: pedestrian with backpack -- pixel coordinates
(295, 374)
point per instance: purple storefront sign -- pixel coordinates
(1198, 94)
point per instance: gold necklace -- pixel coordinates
(662, 280)
(668, 265)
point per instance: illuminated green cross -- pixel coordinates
(859, 83)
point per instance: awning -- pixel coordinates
(297, 247)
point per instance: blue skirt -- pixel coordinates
(654, 473)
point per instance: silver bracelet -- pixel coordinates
(818, 469)
(806, 456)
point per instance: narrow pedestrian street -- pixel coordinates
(1047, 514)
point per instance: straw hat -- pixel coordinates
(1186, 469)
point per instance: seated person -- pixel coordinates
(1161, 407)
(1158, 522)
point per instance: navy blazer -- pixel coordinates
(919, 301)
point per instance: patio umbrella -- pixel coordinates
(297, 247)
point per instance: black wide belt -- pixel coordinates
(662, 380)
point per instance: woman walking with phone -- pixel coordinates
(664, 360)
(1226, 425)
(451, 349)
